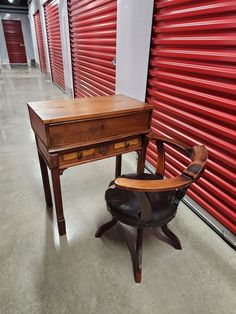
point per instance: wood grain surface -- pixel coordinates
(54, 111)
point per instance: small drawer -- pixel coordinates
(79, 154)
(99, 151)
(90, 131)
(127, 144)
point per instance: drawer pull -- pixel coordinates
(127, 144)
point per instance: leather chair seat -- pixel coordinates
(126, 207)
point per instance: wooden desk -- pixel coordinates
(75, 131)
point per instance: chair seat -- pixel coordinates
(125, 206)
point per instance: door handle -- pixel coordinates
(114, 61)
(22, 45)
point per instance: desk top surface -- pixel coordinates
(55, 111)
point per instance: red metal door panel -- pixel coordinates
(54, 42)
(40, 44)
(192, 85)
(14, 41)
(93, 46)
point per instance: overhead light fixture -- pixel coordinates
(10, 1)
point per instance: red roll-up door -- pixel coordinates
(54, 42)
(93, 46)
(40, 44)
(192, 85)
(14, 41)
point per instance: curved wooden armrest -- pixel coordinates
(199, 157)
(162, 185)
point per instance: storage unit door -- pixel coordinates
(93, 46)
(192, 85)
(39, 37)
(14, 41)
(54, 42)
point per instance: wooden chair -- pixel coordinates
(147, 200)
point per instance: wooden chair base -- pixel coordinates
(105, 227)
(172, 237)
(138, 256)
(139, 243)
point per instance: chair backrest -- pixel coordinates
(198, 155)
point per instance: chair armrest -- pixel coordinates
(199, 157)
(138, 185)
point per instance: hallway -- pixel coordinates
(77, 273)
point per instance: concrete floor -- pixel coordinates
(77, 273)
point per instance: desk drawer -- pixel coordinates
(99, 151)
(90, 131)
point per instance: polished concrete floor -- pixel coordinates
(77, 273)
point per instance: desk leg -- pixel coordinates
(58, 200)
(141, 160)
(118, 166)
(46, 185)
(142, 155)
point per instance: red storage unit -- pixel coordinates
(192, 85)
(93, 46)
(40, 44)
(14, 41)
(54, 42)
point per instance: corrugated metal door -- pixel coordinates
(192, 85)
(40, 44)
(54, 42)
(14, 41)
(93, 46)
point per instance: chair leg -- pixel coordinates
(138, 256)
(174, 240)
(105, 227)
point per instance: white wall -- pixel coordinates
(3, 48)
(65, 42)
(26, 34)
(134, 25)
